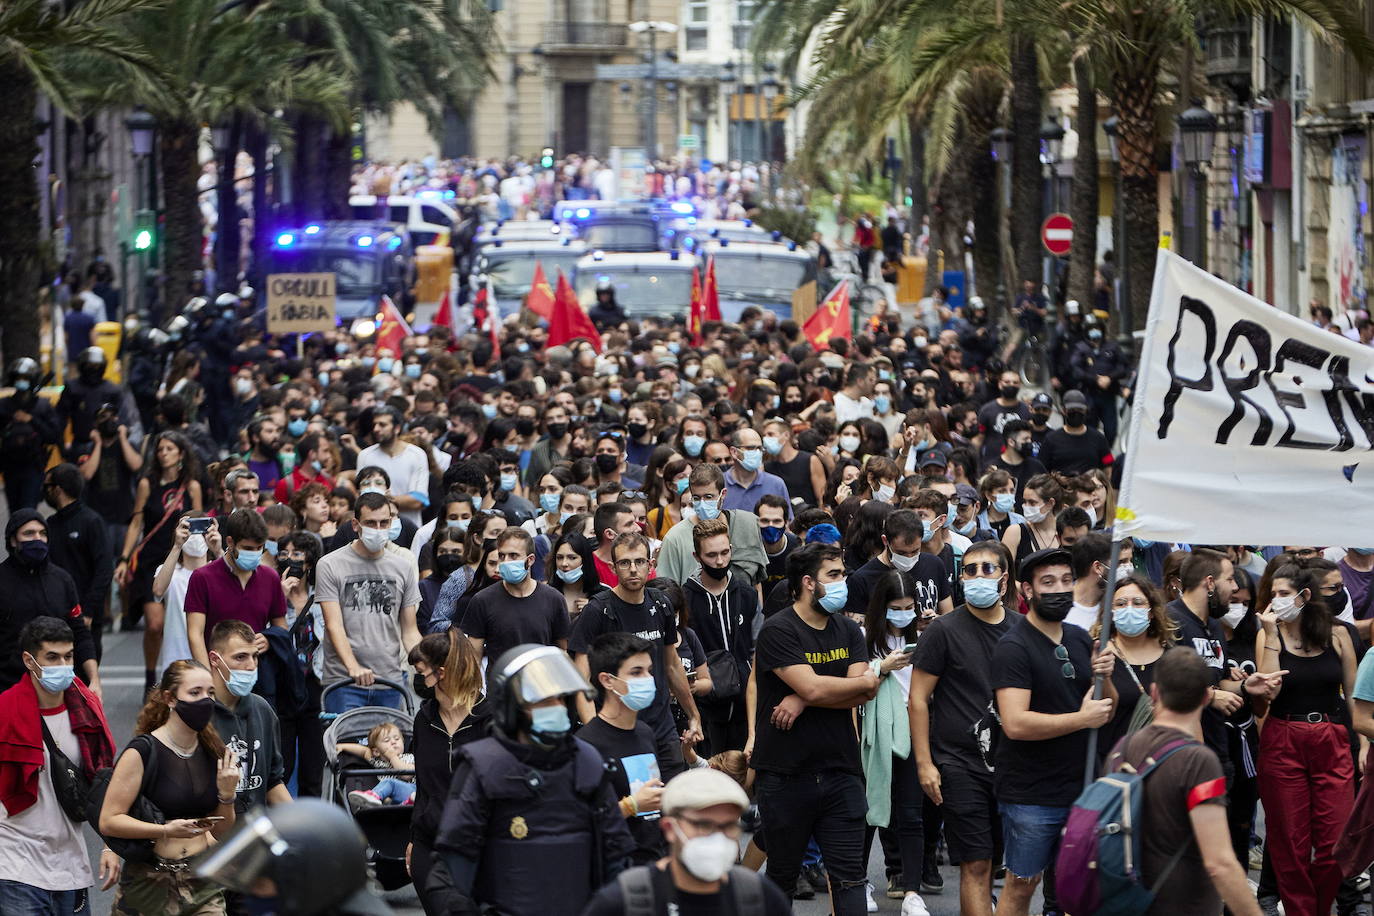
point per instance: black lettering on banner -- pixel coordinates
(1176, 384)
(1258, 338)
(1304, 354)
(1361, 403)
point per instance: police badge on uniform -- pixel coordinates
(518, 828)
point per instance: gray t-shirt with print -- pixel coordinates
(370, 594)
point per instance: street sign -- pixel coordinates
(687, 141)
(300, 303)
(1057, 234)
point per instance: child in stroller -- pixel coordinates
(385, 748)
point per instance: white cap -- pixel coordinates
(701, 788)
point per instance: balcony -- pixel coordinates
(585, 37)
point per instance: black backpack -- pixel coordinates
(142, 809)
(640, 886)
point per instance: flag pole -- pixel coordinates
(1104, 621)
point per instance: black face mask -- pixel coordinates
(558, 430)
(1337, 602)
(937, 359)
(792, 406)
(446, 564)
(109, 427)
(195, 714)
(524, 426)
(421, 690)
(1054, 606)
(919, 401)
(607, 463)
(1009, 392)
(1075, 417)
(1039, 419)
(715, 572)
(637, 430)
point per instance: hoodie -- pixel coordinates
(724, 621)
(44, 590)
(250, 728)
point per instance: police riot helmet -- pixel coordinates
(24, 374)
(90, 365)
(529, 674)
(196, 308)
(177, 327)
(226, 301)
(310, 855)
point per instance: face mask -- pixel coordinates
(570, 575)
(777, 402)
(967, 529)
(297, 427)
(951, 510)
(1286, 608)
(1095, 335)
(271, 547)
(195, 714)
(884, 493)
(241, 683)
(508, 482)
(489, 411)
(56, 678)
(1009, 392)
(243, 386)
(707, 858)
(374, 488)
(324, 379)
(33, 553)
(693, 445)
(637, 430)
(564, 516)
(412, 370)
(607, 464)
(1338, 601)
(616, 395)
(422, 690)
(772, 444)
(514, 571)
(641, 693)
(1075, 417)
(707, 509)
(1131, 621)
(22, 385)
(549, 722)
(1143, 544)
(195, 546)
(982, 593)
(680, 485)
(1363, 551)
(1004, 502)
(1034, 513)
(374, 539)
(751, 459)
(1054, 606)
(674, 346)
(384, 364)
(247, 560)
(460, 524)
(904, 564)
(558, 430)
(1124, 570)
(446, 564)
(341, 348)
(1092, 516)
(369, 361)
(393, 531)
(547, 501)
(1235, 613)
(770, 534)
(923, 445)
(929, 530)
(836, 596)
(849, 443)
(691, 370)
(899, 618)
(882, 403)
(715, 572)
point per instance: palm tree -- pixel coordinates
(43, 49)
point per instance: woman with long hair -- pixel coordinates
(666, 491)
(840, 484)
(849, 442)
(448, 675)
(169, 486)
(863, 539)
(302, 734)
(447, 548)
(195, 787)
(486, 574)
(1142, 632)
(1306, 776)
(483, 529)
(1241, 626)
(574, 573)
(1041, 501)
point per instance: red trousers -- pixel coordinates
(1307, 784)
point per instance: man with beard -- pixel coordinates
(1001, 410)
(404, 463)
(1042, 675)
(265, 436)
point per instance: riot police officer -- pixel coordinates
(214, 333)
(532, 824)
(28, 428)
(606, 312)
(83, 396)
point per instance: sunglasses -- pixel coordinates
(971, 570)
(1067, 669)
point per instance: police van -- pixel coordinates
(509, 267)
(646, 284)
(368, 259)
(763, 273)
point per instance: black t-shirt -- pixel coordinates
(1044, 772)
(958, 649)
(652, 619)
(929, 576)
(777, 562)
(1209, 641)
(820, 739)
(778, 598)
(505, 621)
(1069, 454)
(632, 753)
(992, 417)
(1021, 473)
(693, 655)
(609, 901)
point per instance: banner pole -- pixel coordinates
(1104, 621)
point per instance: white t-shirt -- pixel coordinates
(847, 408)
(408, 470)
(40, 846)
(92, 305)
(176, 644)
(1082, 615)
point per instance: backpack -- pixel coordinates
(142, 809)
(1098, 871)
(639, 887)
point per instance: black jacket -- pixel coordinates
(24, 446)
(79, 542)
(44, 591)
(1105, 359)
(436, 757)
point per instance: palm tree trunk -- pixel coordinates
(1026, 177)
(255, 143)
(1135, 114)
(308, 196)
(1083, 258)
(183, 233)
(917, 166)
(228, 238)
(19, 253)
(338, 169)
(980, 119)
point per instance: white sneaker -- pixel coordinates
(913, 905)
(868, 898)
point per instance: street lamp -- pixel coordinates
(1197, 132)
(652, 28)
(1126, 329)
(1002, 142)
(727, 81)
(141, 126)
(769, 90)
(1051, 139)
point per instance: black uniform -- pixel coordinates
(24, 446)
(79, 542)
(79, 403)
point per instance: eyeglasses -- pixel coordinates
(1068, 670)
(722, 462)
(633, 563)
(1131, 602)
(632, 494)
(972, 570)
(699, 826)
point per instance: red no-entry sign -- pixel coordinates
(1057, 234)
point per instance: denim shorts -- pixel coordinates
(1031, 837)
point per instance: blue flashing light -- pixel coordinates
(598, 255)
(776, 234)
(365, 241)
(670, 233)
(394, 243)
(673, 255)
(683, 207)
(791, 246)
(312, 229)
(566, 241)
(691, 220)
(749, 222)
(715, 232)
(689, 243)
(725, 243)
(498, 243)
(583, 212)
(286, 240)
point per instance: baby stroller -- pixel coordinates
(387, 827)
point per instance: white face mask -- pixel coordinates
(1235, 613)
(708, 857)
(1092, 516)
(904, 564)
(1124, 570)
(374, 539)
(195, 546)
(884, 494)
(1034, 513)
(849, 443)
(1286, 608)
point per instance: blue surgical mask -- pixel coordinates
(550, 721)
(681, 484)
(341, 348)
(247, 560)
(615, 394)
(314, 406)
(1004, 502)
(297, 427)
(412, 370)
(241, 682)
(674, 347)
(982, 593)
(1095, 334)
(271, 546)
(385, 363)
(489, 411)
(772, 445)
(950, 512)
(461, 524)
(316, 467)
(549, 502)
(508, 482)
(56, 678)
(693, 445)
(324, 379)
(1143, 543)
(899, 618)
(564, 516)
(923, 445)
(707, 509)
(751, 459)
(369, 362)
(570, 575)
(514, 571)
(928, 530)
(22, 384)
(882, 403)
(641, 694)
(1131, 621)
(968, 529)
(836, 596)
(394, 530)
(771, 534)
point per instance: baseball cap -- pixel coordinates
(1042, 400)
(1075, 399)
(965, 495)
(1051, 556)
(701, 788)
(934, 459)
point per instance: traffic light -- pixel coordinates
(546, 158)
(145, 230)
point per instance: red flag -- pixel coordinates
(485, 318)
(393, 331)
(569, 321)
(540, 299)
(443, 317)
(710, 296)
(831, 318)
(695, 315)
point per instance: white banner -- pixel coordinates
(1250, 426)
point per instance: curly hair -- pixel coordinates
(156, 710)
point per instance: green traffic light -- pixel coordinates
(143, 240)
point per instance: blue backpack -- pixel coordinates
(1098, 872)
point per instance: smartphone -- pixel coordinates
(691, 677)
(909, 648)
(208, 821)
(200, 525)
